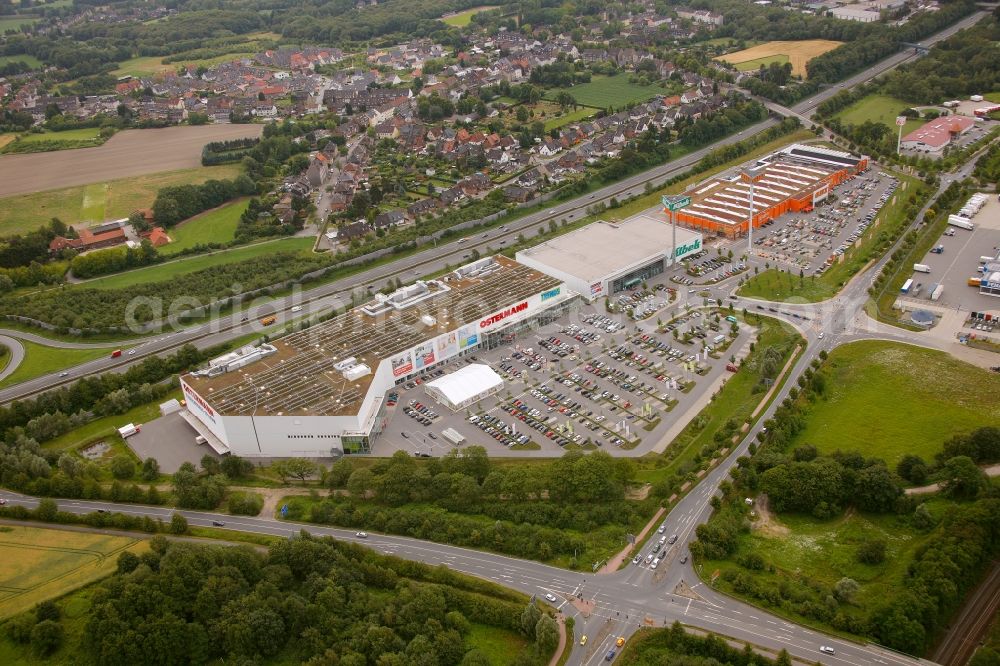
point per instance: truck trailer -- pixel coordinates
(961, 222)
(922, 268)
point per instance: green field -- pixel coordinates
(462, 19)
(13, 22)
(878, 109)
(40, 564)
(82, 134)
(29, 60)
(27, 212)
(570, 117)
(32, 142)
(605, 91)
(751, 65)
(170, 269)
(41, 360)
(886, 400)
(150, 65)
(215, 226)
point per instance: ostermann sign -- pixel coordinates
(498, 317)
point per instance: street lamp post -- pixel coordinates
(671, 204)
(256, 395)
(751, 176)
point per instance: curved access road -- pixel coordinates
(16, 355)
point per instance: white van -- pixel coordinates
(655, 562)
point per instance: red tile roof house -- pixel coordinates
(88, 240)
(156, 236)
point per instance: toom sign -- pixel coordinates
(197, 399)
(503, 314)
(684, 250)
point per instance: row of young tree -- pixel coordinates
(114, 310)
(224, 152)
(308, 600)
(114, 260)
(539, 511)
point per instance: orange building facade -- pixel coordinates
(794, 179)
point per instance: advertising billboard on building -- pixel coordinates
(468, 336)
(446, 345)
(423, 355)
(402, 364)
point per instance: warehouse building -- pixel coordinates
(604, 258)
(793, 179)
(936, 135)
(322, 391)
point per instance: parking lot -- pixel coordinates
(590, 380)
(813, 241)
(954, 259)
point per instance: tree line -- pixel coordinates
(306, 599)
(114, 260)
(677, 647)
(109, 310)
(224, 152)
(179, 202)
(540, 511)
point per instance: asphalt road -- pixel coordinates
(625, 599)
(337, 293)
(16, 355)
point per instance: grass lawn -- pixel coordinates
(878, 109)
(773, 285)
(605, 91)
(27, 212)
(42, 564)
(462, 19)
(499, 645)
(33, 142)
(570, 117)
(924, 386)
(749, 65)
(40, 360)
(170, 269)
(82, 134)
(29, 60)
(215, 226)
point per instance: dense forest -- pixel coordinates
(963, 65)
(306, 600)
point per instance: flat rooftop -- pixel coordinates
(786, 175)
(300, 378)
(603, 248)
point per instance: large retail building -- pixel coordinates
(605, 258)
(793, 179)
(322, 391)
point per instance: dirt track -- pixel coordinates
(128, 153)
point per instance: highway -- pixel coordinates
(336, 293)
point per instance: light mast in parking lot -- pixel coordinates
(751, 176)
(671, 204)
